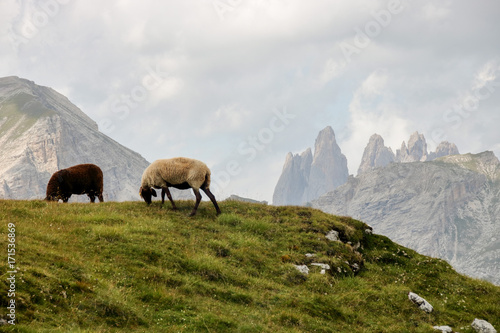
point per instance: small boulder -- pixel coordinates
(482, 326)
(333, 236)
(444, 329)
(422, 303)
(324, 267)
(303, 269)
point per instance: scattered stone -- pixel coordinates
(482, 326)
(444, 329)
(422, 303)
(310, 255)
(355, 267)
(368, 231)
(323, 267)
(333, 236)
(303, 269)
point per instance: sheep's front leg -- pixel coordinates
(169, 196)
(198, 199)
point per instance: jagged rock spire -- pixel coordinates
(306, 176)
(375, 155)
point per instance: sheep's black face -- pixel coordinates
(51, 197)
(146, 194)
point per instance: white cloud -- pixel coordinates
(436, 11)
(373, 110)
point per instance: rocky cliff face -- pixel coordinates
(416, 150)
(41, 131)
(306, 176)
(375, 155)
(447, 208)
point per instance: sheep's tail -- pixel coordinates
(206, 184)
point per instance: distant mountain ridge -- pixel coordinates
(377, 155)
(41, 131)
(305, 177)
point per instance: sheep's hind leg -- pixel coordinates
(169, 196)
(198, 199)
(212, 198)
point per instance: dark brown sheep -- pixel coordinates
(78, 179)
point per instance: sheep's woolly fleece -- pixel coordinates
(176, 171)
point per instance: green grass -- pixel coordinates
(115, 267)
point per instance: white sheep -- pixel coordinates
(179, 172)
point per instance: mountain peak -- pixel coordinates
(375, 155)
(416, 150)
(21, 93)
(41, 132)
(307, 176)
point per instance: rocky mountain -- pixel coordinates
(41, 131)
(306, 176)
(446, 208)
(375, 155)
(416, 150)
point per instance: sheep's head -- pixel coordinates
(52, 197)
(146, 194)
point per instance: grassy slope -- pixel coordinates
(129, 267)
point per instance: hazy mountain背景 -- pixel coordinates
(41, 131)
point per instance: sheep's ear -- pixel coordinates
(140, 191)
(153, 193)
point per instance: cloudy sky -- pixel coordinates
(239, 83)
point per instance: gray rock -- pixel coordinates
(445, 148)
(416, 150)
(303, 269)
(443, 329)
(333, 236)
(420, 302)
(482, 326)
(306, 176)
(234, 197)
(328, 168)
(375, 155)
(324, 267)
(293, 180)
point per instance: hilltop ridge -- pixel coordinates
(126, 266)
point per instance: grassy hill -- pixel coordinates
(115, 267)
